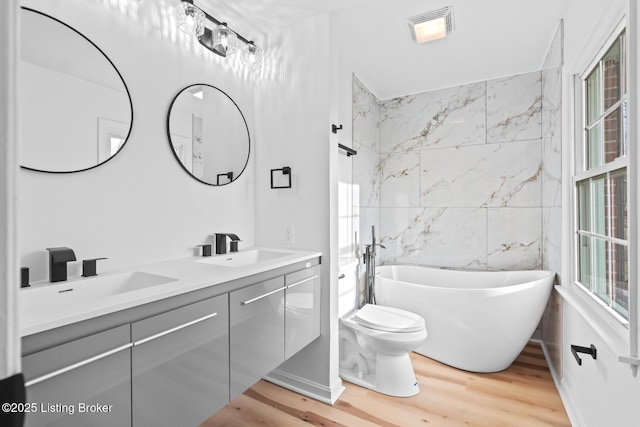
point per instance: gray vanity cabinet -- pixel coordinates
(180, 364)
(83, 383)
(256, 333)
(173, 362)
(302, 317)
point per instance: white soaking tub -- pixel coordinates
(477, 321)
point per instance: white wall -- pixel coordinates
(294, 113)
(603, 391)
(9, 339)
(140, 206)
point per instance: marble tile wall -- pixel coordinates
(551, 153)
(459, 175)
(366, 165)
(449, 117)
(552, 195)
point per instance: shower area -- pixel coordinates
(456, 177)
(466, 177)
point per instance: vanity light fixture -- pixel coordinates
(190, 19)
(220, 39)
(432, 25)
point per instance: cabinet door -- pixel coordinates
(257, 333)
(82, 383)
(302, 317)
(180, 365)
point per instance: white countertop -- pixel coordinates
(51, 310)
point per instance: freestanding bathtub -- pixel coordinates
(476, 321)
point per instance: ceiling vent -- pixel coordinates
(432, 25)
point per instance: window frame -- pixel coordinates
(581, 173)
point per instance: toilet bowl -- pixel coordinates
(375, 342)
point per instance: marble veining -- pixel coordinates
(453, 237)
(552, 136)
(400, 182)
(365, 116)
(514, 238)
(457, 179)
(363, 223)
(551, 238)
(366, 175)
(505, 174)
(514, 108)
(442, 118)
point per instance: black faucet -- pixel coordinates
(206, 249)
(221, 242)
(89, 268)
(58, 259)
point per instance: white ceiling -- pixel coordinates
(492, 38)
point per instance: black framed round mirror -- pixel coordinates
(208, 134)
(76, 110)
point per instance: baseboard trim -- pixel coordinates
(307, 388)
(567, 401)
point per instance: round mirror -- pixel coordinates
(208, 134)
(76, 109)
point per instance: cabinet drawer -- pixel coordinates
(66, 381)
(299, 277)
(256, 333)
(46, 362)
(180, 364)
(153, 327)
(302, 316)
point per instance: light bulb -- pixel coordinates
(251, 56)
(224, 40)
(190, 19)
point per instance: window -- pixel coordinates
(111, 137)
(602, 234)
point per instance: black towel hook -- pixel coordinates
(575, 349)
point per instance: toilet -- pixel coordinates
(375, 342)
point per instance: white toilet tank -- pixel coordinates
(347, 287)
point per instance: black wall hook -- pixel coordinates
(575, 349)
(350, 151)
(335, 128)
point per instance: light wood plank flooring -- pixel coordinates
(523, 395)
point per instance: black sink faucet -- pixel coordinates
(58, 259)
(221, 242)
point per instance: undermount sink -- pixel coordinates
(241, 259)
(47, 296)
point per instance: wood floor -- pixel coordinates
(523, 395)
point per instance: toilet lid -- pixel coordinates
(388, 319)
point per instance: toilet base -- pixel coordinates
(393, 376)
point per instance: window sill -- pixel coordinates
(612, 332)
